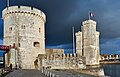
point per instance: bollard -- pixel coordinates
(45, 72)
(42, 70)
(53, 75)
(50, 74)
(57, 75)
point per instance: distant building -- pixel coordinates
(87, 42)
(56, 59)
(54, 51)
(110, 57)
(24, 28)
(79, 43)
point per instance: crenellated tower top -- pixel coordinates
(89, 22)
(23, 10)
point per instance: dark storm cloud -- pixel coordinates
(2, 3)
(107, 16)
(111, 47)
(63, 14)
(60, 19)
(1, 29)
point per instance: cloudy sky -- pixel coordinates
(63, 14)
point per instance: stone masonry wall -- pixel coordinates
(24, 28)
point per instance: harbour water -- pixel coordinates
(112, 70)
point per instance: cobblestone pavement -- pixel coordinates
(26, 73)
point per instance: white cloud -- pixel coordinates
(64, 46)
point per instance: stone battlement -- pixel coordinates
(23, 10)
(88, 21)
(98, 33)
(62, 61)
(78, 33)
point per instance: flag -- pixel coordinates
(91, 14)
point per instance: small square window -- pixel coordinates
(36, 44)
(19, 44)
(23, 27)
(18, 6)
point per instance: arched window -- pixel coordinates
(19, 44)
(10, 29)
(14, 45)
(23, 27)
(39, 30)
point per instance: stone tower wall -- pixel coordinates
(90, 42)
(24, 28)
(79, 43)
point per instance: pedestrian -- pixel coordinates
(10, 66)
(19, 67)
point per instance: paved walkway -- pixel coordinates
(26, 73)
(68, 74)
(37, 73)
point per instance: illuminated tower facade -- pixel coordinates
(24, 27)
(79, 43)
(90, 42)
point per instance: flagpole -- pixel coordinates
(73, 41)
(8, 3)
(89, 15)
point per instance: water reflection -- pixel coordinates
(112, 70)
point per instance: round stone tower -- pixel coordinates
(24, 28)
